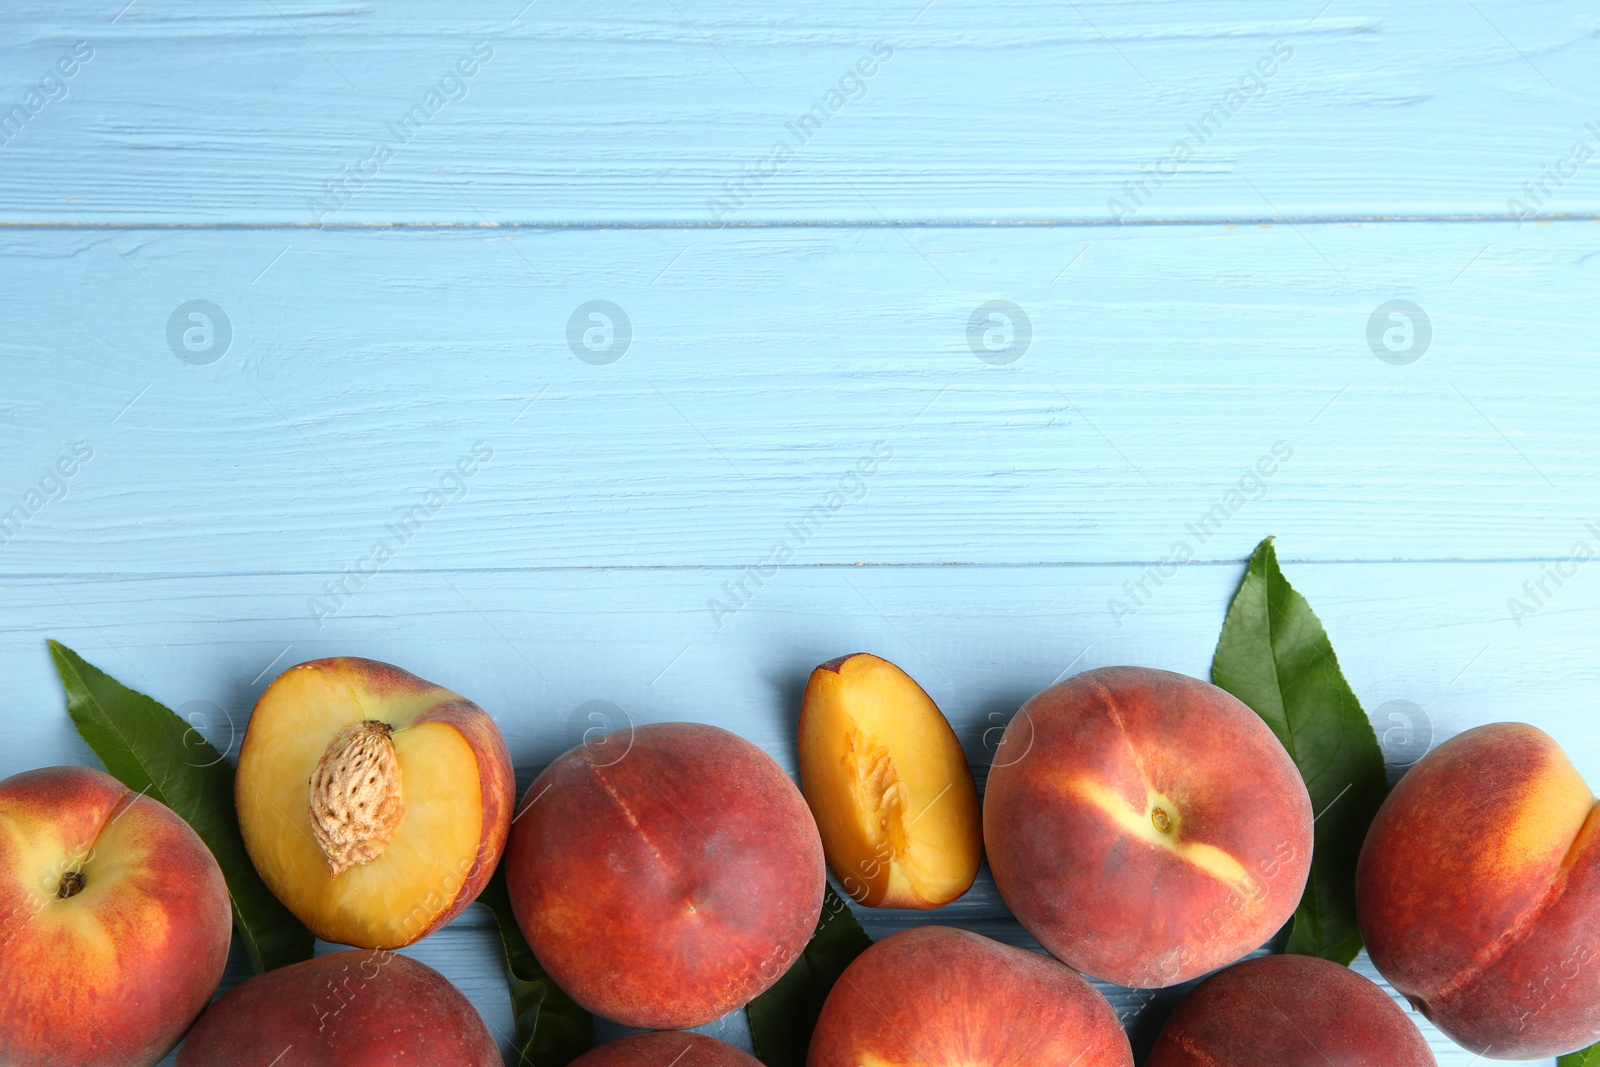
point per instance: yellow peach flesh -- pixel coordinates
(392, 899)
(889, 786)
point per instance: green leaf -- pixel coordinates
(150, 750)
(1274, 655)
(1589, 1057)
(782, 1018)
(552, 1030)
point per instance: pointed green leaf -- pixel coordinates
(1274, 655)
(150, 750)
(1589, 1057)
(552, 1030)
(782, 1018)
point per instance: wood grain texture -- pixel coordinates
(1021, 110)
(551, 653)
(765, 365)
(616, 559)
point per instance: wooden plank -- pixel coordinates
(539, 648)
(536, 647)
(764, 368)
(614, 555)
(987, 111)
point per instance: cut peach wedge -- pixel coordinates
(374, 804)
(888, 785)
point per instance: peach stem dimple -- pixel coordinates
(1161, 820)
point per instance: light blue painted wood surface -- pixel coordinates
(587, 560)
(1010, 110)
(764, 363)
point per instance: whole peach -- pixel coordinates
(356, 1008)
(114, 922)
(1289, 1011)
(665, 875)
(1478, 893)
(1145, 826)
(938, 995)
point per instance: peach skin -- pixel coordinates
(665, 875)
(1478, 893)
(374, 804)
(114, 922)
(938, 995)
(347, 1009)
(1145, 826)
(665, 1048)
(1289, 1011)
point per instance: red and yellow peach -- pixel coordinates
(114, 922)
(1478, 893)
(1146, 827)
(1289, 1011)
(937, 995)
(665, 875)
(357, 1008)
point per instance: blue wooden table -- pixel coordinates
(672, 269)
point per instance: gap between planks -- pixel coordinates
(163, 576)
(820, 224)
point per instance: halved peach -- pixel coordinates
(374, 804)
(888, 785)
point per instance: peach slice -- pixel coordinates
(888, 785)
(374, 804)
